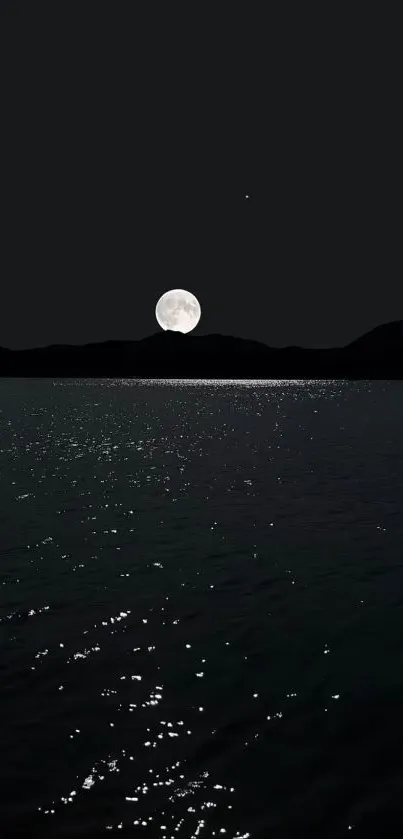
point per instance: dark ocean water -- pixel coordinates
(201, 614)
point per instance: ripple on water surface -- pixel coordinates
(186, 619)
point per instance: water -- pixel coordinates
(201, 608)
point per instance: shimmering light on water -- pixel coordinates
(200, 601)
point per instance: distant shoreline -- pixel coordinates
(378, 355)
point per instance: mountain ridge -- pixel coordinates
(376, 354)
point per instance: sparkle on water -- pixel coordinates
(165, 617)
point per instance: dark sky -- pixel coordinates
(130, 135)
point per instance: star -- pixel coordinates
(247, 196)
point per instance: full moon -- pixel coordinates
(178, 310)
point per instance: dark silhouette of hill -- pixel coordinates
(387, 337)
(378, 354)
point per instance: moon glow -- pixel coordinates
(178, 310)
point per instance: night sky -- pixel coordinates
(131, 134)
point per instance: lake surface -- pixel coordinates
(201, 613)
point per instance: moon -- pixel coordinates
(178, 310)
